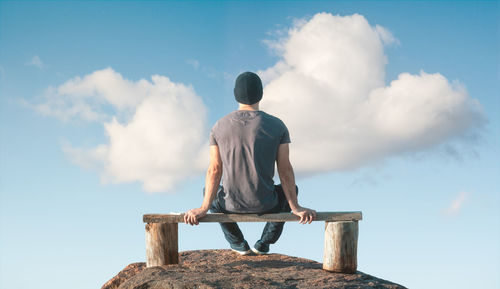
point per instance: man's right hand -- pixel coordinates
(306, 215)
(192, 216)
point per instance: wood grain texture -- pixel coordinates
(280, 217)
(341, 247)
(161, 244)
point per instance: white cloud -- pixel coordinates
(386, 36)
(96, 96)
(35, 61)
(160, 143)
(329, 88)
(456, 205)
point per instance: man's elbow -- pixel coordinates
(284, 166)
(285, 169)
(214, 170)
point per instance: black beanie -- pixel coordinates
(248, 88)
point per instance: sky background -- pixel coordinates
(105, 110)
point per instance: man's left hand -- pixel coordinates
(192, 216)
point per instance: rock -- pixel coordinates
(226, 269)
(125, 274)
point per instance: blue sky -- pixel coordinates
(430, 205)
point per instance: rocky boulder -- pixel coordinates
(226, 269)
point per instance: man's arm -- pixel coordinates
(212, 181)
(287, 177)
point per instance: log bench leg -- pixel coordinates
(161, 244)
(341, 246)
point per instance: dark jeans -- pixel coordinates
(272, 231)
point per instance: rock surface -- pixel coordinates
(226, 269)
(125, 274)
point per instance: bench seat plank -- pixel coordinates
(227, 218)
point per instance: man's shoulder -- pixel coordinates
(223, 119)
(272, 118)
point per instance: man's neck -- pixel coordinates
(253, 107)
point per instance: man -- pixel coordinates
(244, 146)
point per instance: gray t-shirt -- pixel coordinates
(248, 142)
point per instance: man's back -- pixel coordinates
(244, 146)
(248, 142)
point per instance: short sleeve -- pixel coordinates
(212, 140)
(285, 137)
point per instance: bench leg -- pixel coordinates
(161, 244)
(341, 246)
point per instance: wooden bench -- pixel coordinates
(341, 236)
